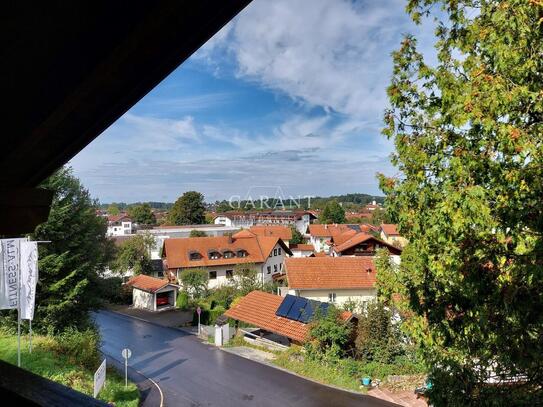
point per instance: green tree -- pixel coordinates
(468, 143)
(142, 214)
(195, 282)
(333, 212)
(377, 338)
(189, 209)
(197, 233)
(70, 264)
(246, 278)
(328, 335)
(297, 237)
(113, 209)
(134, 255)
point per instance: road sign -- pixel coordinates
(126, 353)
(198, 310)
(99, 378)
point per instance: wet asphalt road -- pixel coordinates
(191, 373)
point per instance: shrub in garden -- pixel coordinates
(378, 338)
(81, 347)
(182, 301)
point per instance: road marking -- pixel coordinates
(159, 389)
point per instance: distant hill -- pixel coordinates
(349, 201)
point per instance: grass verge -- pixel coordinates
(44, 361)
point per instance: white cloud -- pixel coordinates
(333, 54)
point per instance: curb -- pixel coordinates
(139, 380)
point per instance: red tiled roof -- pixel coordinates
(117, 218)
(344, 236)
(390, 229)
(258, 248)
(243, 233)
(330, 272)
(361, 238)
(302, 247)
(324, 230)
(320, 254)
(147, 283)
(282, 232)
(258, 308)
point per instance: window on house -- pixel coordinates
(269, 269)
(229, 273)
(279, 251)
(228, 255)
(242, 253)
(194, 256)
(275, 268)
(275, 252)
(332, 297)
(214, 255)
(212, 275)
(281, 267)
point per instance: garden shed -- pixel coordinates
(152, 294)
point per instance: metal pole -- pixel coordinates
(30, 335)
(19, 308)
(198, 324)
(125, 373)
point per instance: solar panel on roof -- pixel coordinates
(297, 308)
(285, 306)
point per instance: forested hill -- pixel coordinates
(348, 200)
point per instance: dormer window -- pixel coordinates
(228, 254)
(195, 255)
(242, 253)
(213, 254)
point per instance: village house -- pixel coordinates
(361, 244)
(152, 294)
(389, 233)
(221, 254)
(299, 219)
(331, 279)
(321, 236)
(302, 250)
(119, 225)
(284, 320)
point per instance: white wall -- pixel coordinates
(319, 243)
(143, 299)
(275, 262)
(342, 295)
(301, 253)
(262, 269)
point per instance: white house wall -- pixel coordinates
(342, 295)
(142, 299)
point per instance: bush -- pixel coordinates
(224, 295)
(378, 338)
(110, 289)
(215, 313)
(81, 347)
(182, 301)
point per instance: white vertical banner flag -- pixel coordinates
(9, 273)
(29, 278)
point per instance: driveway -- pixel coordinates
(191, 373)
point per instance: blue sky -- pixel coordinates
(289, 94)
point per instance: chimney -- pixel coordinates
(368, 270)
(326, 226)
